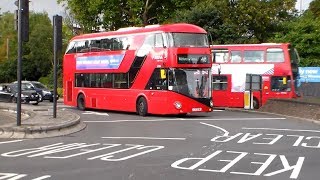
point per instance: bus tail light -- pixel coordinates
(177, 105)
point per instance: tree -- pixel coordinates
(114, 14)
(239, 21)
(304, 34)
(7, 37)
(262, 18)
(37, 53)
(314, 7)
(211, 15)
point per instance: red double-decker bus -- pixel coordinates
(275, 63)
(157, 69)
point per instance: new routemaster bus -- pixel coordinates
(275, 63)
(157, 69)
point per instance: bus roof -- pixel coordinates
(249, 45)
(179, 27)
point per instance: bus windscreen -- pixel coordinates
(190, 40)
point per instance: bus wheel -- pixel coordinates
(255, 103)
(81, 102)
(142, 107)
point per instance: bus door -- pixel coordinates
(254, 88)
(221, 90)
(157, 88)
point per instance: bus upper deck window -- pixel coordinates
(235, 56)
(159, 40)
(275, 55)
(220, 56)
(253, 56)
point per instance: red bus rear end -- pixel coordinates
(276, 64)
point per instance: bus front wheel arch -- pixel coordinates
(81, 103)
(256, 104)
(142, 106)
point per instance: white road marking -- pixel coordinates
(153, 138)
(96, 113)
(6, 142)
(274, 129)
(226, 133)
(42, 177)
(187, 119)
(218, 110)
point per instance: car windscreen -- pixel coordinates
(39, 85)
(26, 87)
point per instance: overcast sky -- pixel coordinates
(49, 6)
(52, 8)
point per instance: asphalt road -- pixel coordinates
(219, 145)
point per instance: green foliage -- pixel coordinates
(7, 35)
(261, 18)
(38, 59)
(240, 21)
(304, 34)
(37, 52)
(314, 7)
(8, 71)
(114, 14)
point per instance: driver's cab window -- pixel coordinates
(281, 83)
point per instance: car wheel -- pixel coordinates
(35, 103)
(142, 107)
(14, 99)
(81, 102)
(40, 98)
(51, 100)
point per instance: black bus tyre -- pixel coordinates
(256, 103)
(81, 102)
(142, 107)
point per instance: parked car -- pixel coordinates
(28, 94)
(5, 94)
(42, 90)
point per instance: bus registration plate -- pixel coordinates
(196, 109)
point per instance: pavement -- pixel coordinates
(37, 121)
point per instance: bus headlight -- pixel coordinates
(211, 103)
(177, 105)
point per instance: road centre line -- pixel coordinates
(7, 142)
(274, 129)
(226, 133)
(152, 138)
(184, 119)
